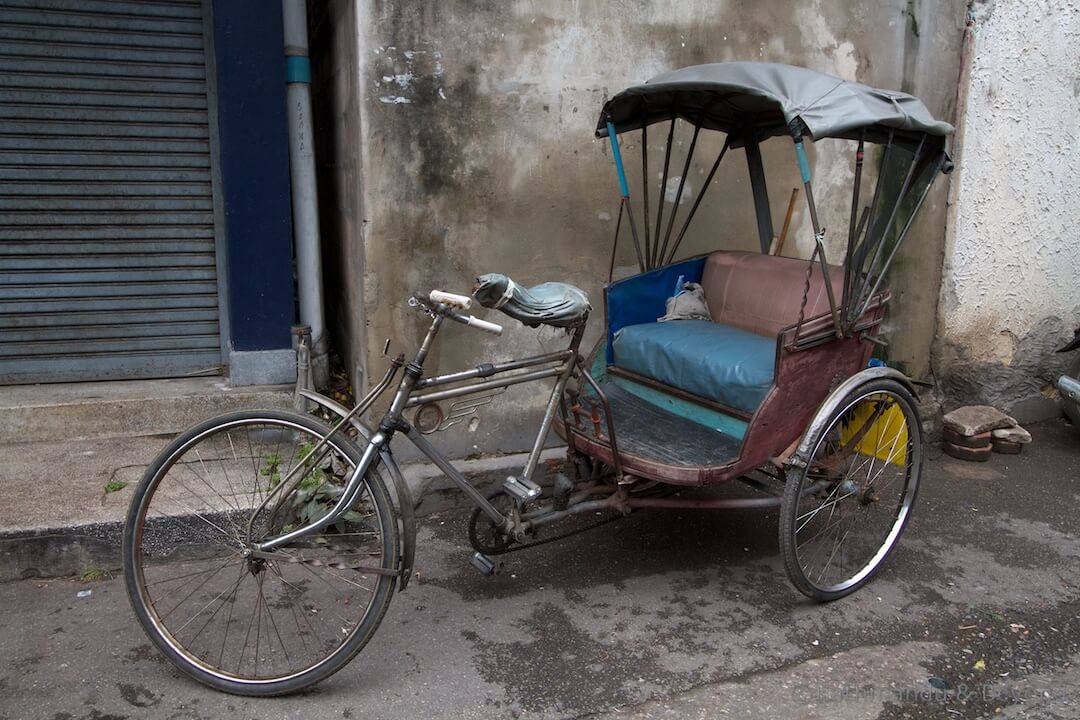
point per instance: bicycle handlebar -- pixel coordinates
(443, 301)
(493, 328)
(463, 302)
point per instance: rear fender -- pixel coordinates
(406, 511)
(832, 403)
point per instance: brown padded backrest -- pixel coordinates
(762, 293)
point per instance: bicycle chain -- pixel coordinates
(545, 541)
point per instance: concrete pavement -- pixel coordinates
(61, 513)
(662, 615)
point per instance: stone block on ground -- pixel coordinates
(1007, 447)
(1015, 434)
(966, 453)
(974, 419)
(982, 440)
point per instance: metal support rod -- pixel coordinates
(610, 421)
(819, 233)
(634, 233)
(819, 236)
(903, 234)
(624, 205)
(286, 485)
(455, 476)
(759, 188)
(859, 154)
(849, 299)
(679, 192)
(787, 222)
(645, 191)
(481, 386)
(552, 407)
(663, 192)
(763, 487)
(697, 202)
(493, 369)
(344, 502)
(589, 506)
(703, 503)
(615, 244)
(860, 255)
(870, 269)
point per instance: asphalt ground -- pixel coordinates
(670, 614)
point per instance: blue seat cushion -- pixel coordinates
(717, 362)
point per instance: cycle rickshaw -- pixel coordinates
(263, 547)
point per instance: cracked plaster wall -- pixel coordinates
(473, 139)
(1009, 292)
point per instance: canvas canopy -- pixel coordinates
(736, 97)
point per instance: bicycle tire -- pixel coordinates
(188, 533)
(847, 491)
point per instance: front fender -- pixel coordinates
(406, 510)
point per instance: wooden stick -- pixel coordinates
(787, 221)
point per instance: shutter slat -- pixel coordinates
(107, 266)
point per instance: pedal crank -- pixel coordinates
(488, 539)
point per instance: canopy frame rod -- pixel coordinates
(859, 155)
(879, 237)
(645, 192)
(859, 254)
(819, 233)
(697, 201)
(682, 180)
(661, 196)
(939, 165)
(624, 203)
(759, 187)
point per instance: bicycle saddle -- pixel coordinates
(550, 303)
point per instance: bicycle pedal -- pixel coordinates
(483, 563)
(521, 492)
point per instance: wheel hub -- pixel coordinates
(868, 495)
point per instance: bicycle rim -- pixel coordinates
(267, 624)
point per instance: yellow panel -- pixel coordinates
(881, 440)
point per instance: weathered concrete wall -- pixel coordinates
(475, 136)
(1009, 295)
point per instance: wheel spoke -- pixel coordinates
(192, 513)
(852, 475)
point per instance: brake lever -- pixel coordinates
(415, 301)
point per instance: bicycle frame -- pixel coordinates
(559, 365)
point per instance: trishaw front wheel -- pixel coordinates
(249, 622)
(843, 514)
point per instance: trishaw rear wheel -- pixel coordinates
(843, 514)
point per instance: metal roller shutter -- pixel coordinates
(107, 266)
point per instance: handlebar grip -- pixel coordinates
(484, 325)
(459, 301)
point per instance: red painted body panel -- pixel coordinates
(803, 380)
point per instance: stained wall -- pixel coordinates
(467, 132)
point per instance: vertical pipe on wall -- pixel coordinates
(304, 192)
